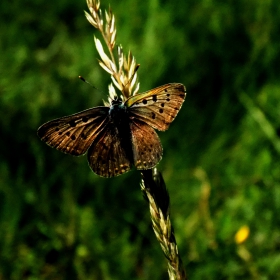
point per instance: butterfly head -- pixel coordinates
(117, 109)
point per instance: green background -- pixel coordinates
(58, 220)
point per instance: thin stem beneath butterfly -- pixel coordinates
(154, 190)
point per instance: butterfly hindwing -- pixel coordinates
(108, 155)
(157, 107)
(75, 133)
(147, 149)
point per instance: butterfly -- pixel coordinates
(121, 135)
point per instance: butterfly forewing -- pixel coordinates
(108, 156)
(157, 107)
(74, 134)
(147, 148)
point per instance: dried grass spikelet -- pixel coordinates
(123, 74)
(154, 189)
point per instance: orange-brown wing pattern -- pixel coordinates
(147, 149)
(157, 107)
(75, 133)
(110, 155)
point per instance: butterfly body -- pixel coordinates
(119, 122)
(120, 136)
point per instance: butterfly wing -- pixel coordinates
(157, 107)
(147, 149)
(109, 154)
(75, 133)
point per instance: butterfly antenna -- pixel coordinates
(84, 80)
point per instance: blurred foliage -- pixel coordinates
(58, 220)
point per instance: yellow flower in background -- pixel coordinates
(242, 234)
